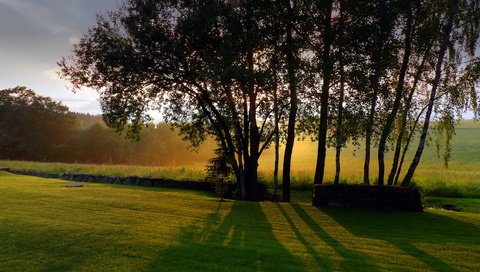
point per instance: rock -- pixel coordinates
(51, 175)
(67, 176)
(4, 169)
(74, 185)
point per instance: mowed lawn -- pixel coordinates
(47, 227)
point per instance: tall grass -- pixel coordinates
(432, 180)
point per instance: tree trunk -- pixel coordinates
(338, 147)
(407, 144)
(368, 138)
(393, 176)
(375, 84)
(275, 169)
(327, 74)
(398, 97)
(277, 133)
(290, 52)
(438, 73)
(251, 175)
(251, 160)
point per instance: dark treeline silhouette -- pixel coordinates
(37, 128)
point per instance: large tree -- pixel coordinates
(205, 63)
(451, 83)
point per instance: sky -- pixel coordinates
(35, 34)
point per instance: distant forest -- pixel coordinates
(37, 128)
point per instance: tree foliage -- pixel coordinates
(336, 70)
(37, 128)
(32, 124)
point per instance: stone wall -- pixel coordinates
(137, 181)
(370, 197)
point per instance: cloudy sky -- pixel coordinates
(35, 34)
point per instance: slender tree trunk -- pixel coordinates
(245, 142)
(225, 140)
(292, 83)
(407, 145)
(438, 73)
(393, 176)
(277, 133)
(338, 147)
(327, 74)
(277, 155)
(375, 82)
(251, 164)
(398, 97)
(368, 138)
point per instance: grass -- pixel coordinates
(463, 204)
(456, 181)
(460, 179)
(179, 172)
(47, 227)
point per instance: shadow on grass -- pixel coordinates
(351, 261)
(322, 262)
(30, 247)
(405, 229)
(243, 241)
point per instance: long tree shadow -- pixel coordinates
(242, 241)
(405, 229)
(322, 262)
(351, 261)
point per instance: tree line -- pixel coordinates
(255, 73)
(36, 128)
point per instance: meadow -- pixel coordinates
(45, 226)
(460, 179)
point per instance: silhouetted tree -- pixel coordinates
(34, 127)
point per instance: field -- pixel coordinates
(47, 227)
(460, 179)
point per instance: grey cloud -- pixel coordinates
(35, 34)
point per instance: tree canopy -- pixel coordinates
(336, 70)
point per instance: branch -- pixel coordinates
(267, 142)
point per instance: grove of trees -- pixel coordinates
(252, 73)
(36, 128)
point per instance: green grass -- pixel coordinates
(47, 227)
(179, 172)
(460, 179)
(463, 204)
(457, 181)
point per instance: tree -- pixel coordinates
(203, 62)
(34, 127)
(247, 72)
(290, 12)
(323, 17)
(408, 29)
(460, 41)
